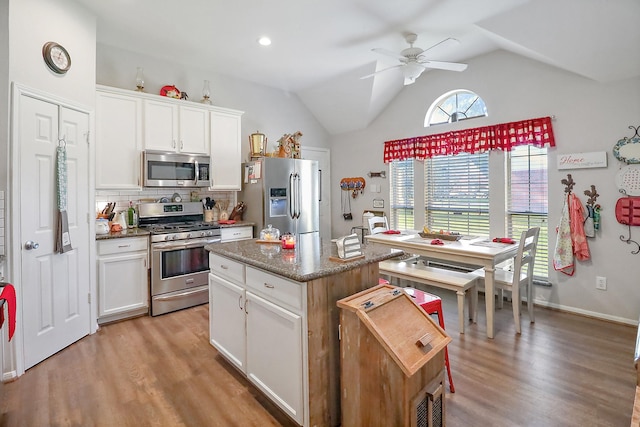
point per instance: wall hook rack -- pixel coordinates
(629, 241)
(569, 183)
(592, 194)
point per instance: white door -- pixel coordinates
(55, 287)
(322, 155)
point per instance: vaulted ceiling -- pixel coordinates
(320, 49)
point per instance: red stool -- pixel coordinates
(432, 304)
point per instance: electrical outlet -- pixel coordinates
(601, 283)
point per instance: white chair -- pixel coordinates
(378, 224)
(521, 275)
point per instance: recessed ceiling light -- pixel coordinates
(264, 41)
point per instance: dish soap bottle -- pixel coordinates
(132, 216)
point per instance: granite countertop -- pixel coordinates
(308, 261)
(129, 232)
(141, 232)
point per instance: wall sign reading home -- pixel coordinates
(582, 160)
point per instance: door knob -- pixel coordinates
(29, 245)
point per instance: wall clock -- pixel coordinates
(56, 57)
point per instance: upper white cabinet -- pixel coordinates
(172, 127)
(118, 140)
(226, 150)
(128, 122)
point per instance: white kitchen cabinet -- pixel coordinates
(257, 321)
(118, 140)
(274, 353)
(227, 320)
(226, 150)
(123, 287)
(171, 127)
(229, 234)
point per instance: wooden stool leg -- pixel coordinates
(446, 350)
(461, 310)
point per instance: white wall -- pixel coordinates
(590, 116)
(32, 23)
(270, 111)
(25, 26)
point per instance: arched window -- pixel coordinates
(455, 106)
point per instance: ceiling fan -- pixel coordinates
(414, 62)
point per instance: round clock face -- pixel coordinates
(56, 57)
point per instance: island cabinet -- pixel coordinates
(257, 324)
(273, 315)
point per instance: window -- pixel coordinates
(527, 200)
(455, 106)
(457, 193)
(401, 184)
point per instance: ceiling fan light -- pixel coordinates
(411, 72)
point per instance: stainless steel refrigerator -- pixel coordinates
(284, 193)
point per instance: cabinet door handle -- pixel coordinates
(124, 246)
(181, 145)
(173, 143)
(224, 267)
(240, 302)
(266, 285)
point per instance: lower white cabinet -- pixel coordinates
(229, 234)
(257, 322)
(274, 353)
(227, 320)
(123, 286)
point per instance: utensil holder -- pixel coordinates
(208, 215)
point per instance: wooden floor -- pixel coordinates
(564, 370)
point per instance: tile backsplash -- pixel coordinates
(123, 197)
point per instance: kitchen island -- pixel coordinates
(273, 315)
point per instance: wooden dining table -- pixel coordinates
(475, 251)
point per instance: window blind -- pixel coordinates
(527, 200)
(457, 193)
(401, 195)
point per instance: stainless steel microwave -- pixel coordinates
(162, 169)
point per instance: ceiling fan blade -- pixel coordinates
(381, 71)
(447, 43)
(388, 53)
(449, 66)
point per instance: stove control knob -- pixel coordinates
(167, 237)
(203, 233)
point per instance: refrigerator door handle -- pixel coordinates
(319, 185)
(292, 212)
(297, 192)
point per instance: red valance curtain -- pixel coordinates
(503, 136)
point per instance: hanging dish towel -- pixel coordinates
(563, 253)
(8, 293)
(578, 236)
(589, 224)
(63, 239)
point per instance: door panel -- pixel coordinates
(55, 287)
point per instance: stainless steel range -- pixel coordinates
(179, 262)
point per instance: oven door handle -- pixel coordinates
(184, 244)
